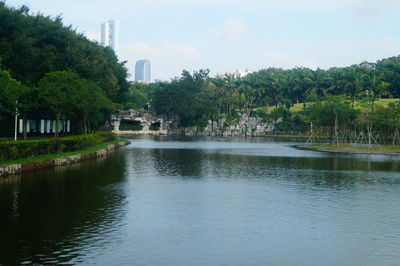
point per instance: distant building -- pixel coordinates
(236, 74)
(244, 73)
(142, 71)
(110, 34)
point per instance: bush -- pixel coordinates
(108, 136)
(11, 150)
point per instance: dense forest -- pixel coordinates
(48, 70)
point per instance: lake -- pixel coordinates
(203, 201)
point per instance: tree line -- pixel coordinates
(365, 121)
(194, 98)
(48, 69)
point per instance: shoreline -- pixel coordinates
(349, 151)
(17, 168)
(128, 133)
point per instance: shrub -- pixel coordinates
(11, 150)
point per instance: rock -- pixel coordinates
(244, 126)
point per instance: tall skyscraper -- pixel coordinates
(110, 34)
(142, 71)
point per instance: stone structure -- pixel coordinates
(244, 126)
(149, 123)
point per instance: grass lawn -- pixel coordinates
(298, 107)
(350, 147)
(46, 157)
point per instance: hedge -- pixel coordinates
(12, 150)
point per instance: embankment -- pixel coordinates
(349, 150)
(17, 168)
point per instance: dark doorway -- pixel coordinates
(155, 126)
(130, 125)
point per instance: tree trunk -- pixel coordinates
(369, 128)
(85, 123)
(394, 138)
(336, 131)
(56, 128)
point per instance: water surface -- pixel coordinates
(197, 201)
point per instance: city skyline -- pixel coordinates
(251, 34)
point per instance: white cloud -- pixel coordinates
(182, 51)
(232, 29)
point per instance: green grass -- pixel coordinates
(349, 147)
(298, 107)
(46, 157)
(385, 102)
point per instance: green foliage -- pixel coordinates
(288, 122)
(224, 95)
(59, 90)
(106, 135)
(53, 69)
(280, 113)
(231, 119)
(32, 45)
(66, 94)
(259, 113)
(136, 97)
(9, 91)
(334, 108)
(45, 157)
(55, 72)
(11, 150)
(185, 97)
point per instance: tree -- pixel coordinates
(366, 119)
(185, 97)
(58, 89)
(136, 97)
(91, 107)
(32, 45)
(334, 113)
(389, 68)
(9, 92)
(30, 101)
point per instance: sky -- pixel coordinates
(230, 35)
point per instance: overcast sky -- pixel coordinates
(229, 35)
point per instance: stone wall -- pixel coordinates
(243, 126)
(145, 119)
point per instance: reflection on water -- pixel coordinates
(49, 216)
(189, 201)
